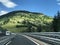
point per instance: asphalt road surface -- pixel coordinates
(21, 40)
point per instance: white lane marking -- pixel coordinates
(31, 39)
(8, 43)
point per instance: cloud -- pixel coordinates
(58, 3)
(58, 0)
(3, 12)
(8, 3)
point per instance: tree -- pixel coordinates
(29, 26)
(39, 28)
(56, 22)
(24, 22)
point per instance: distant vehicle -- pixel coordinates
(8, 33)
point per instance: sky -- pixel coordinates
(47, 7)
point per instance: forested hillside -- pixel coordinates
(25, 21)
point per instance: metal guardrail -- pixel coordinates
(52, 38)
(5, 40)
(52, 41)
(47, 34)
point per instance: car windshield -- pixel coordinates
(29, 22)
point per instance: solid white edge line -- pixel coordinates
(31, 39)
(8, 43)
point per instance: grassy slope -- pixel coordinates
(10, 20)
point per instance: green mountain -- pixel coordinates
(19, 21)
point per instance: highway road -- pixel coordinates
(43, 38)
(21, 40)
